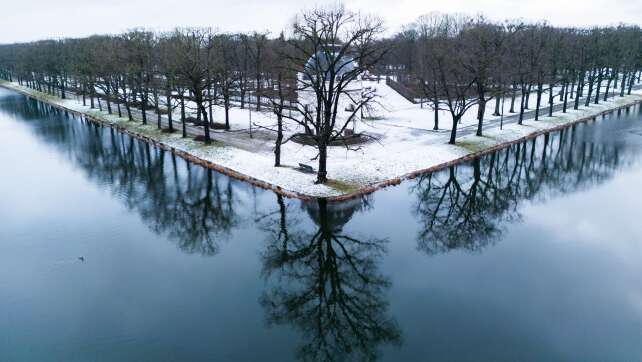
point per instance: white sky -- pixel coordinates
(24, 20)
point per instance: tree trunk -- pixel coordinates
(538, 102)
(279, 139)
(109, 109)
(227, 112)
(453, 130)
(322, 173)
(243, 90)
(573, 87)
(168, 100)
(497, 101)
(631, 83)
(436, 103)
(210, 105)
(565, 96)
(512, 99)
(143, 105)
(521, 106)
(480, 116)
(129, 111)
(590, 89)
(623, 84)
(63, 95)
(184, 126)
(577, 94)
(206, 123)
(550, 100)
(159, 123)
(608, 88)
(581, 83)
(258, 91)
(599, 85)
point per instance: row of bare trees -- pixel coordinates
(160, 72)
(456, 63)
(142, 74)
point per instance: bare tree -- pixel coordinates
(426, 67)
(454, 82)
(483, 44)
(225, 65)
(196, 46)
(255, 45)
(333, 49)
(282, 90)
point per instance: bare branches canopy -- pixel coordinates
(310, 78)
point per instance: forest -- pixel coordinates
(449, 62)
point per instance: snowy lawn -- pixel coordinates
(405, 143)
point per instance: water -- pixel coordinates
(111, 250)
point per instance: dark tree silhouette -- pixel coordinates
(468, 206)
(194, 206)
(327, 284)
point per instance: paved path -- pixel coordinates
(260, 141)
(543, 112)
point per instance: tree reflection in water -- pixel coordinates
(468, 206)
(320, 279)
(192, 205)
(327, 283)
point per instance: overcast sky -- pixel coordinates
(24, 20)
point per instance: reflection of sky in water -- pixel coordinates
(559, 278)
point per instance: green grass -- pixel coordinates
(204, 146)
(472, 146)
(49, 97)
(341, 186)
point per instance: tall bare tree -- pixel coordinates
(196, 47)
(333, 48)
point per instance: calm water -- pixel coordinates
(111, 250)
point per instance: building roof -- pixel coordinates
(321, 61)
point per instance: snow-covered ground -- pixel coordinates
(405, 142)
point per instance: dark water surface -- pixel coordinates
(111, 250)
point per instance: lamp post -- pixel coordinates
(250, 110)
(501, 118)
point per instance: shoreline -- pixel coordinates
(98, 118)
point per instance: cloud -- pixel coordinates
(37, 19)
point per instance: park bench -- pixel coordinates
(305, 168)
